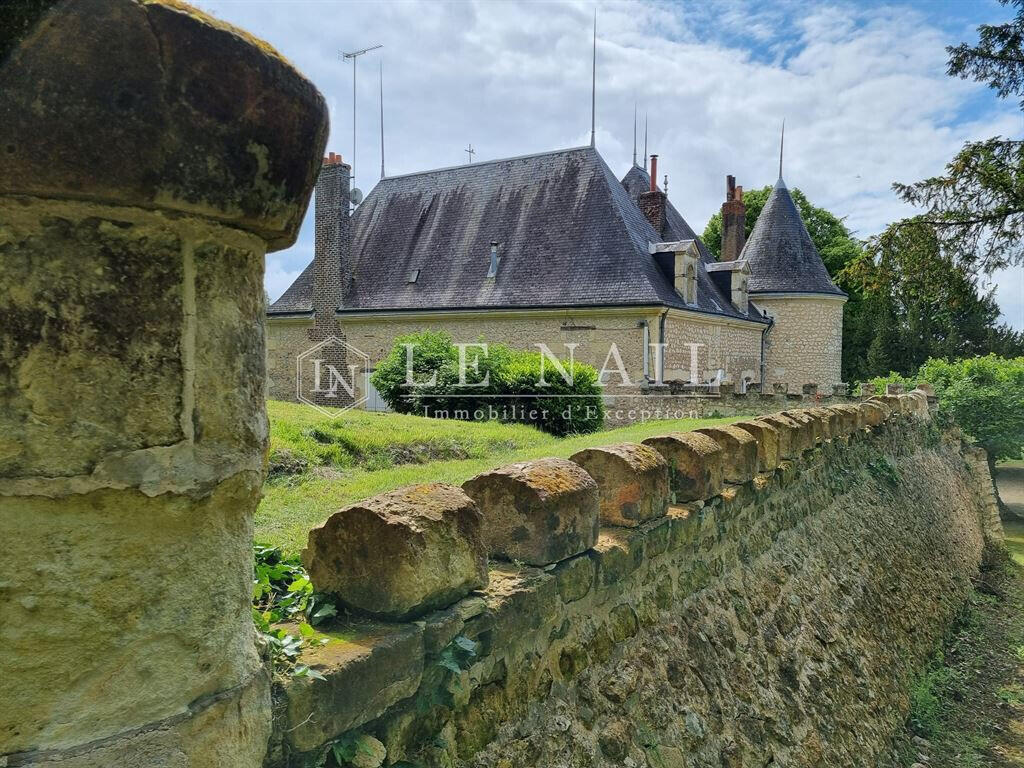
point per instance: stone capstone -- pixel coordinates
(812, 432)
(739, 452)
(169, 108)
(632, 482)
(695, 464)
(537, 512)
(400, 554)
(874, 412)
(767, 438)
(791, 435)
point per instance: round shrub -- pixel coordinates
(502, 384)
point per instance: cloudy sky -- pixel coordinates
(862, 87)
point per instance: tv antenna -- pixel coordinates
(470, 151)
(593, 85)
(355, 55)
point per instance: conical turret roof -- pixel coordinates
(780, 252)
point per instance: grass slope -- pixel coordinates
(319, 465)
(967, 708)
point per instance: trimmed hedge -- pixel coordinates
(504, 385)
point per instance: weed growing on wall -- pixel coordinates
(282, 592)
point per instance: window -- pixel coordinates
(691, 285)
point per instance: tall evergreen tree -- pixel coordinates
(977, 205)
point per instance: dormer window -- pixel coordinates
(690, 287)
(739, 293)
(732, 278)
(683, 258)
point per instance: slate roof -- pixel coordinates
(782, 256)
(710, 298)
(570, 235)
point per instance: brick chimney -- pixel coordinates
(652, 202)
(332, 239)
(734, 220)
(331, 259)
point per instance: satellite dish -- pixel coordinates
(356, 196)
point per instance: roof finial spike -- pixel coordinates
(645, 141)
(634, 134)
(782, 143)
(593, 85)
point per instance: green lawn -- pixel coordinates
(319, 465)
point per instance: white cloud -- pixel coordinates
(863, 90)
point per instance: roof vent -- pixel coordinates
(413, 276)
(492, 272)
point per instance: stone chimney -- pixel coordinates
(332, 239)
(652, 202)
(734, 218)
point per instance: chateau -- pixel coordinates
(553, 249)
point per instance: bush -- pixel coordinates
(504, 385)
(985, 396)
(880, 382)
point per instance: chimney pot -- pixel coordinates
(654, 173)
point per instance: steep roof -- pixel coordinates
(782, 256)
(569, 234)
(710, 297)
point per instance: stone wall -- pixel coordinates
(659, 403)
(137, 201)
(806, 343)
(729, 345)
(755, 594)
(736, 347)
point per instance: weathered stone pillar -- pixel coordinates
(148, 157)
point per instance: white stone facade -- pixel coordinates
(805, 344)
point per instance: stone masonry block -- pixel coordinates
(874, 412)
(695, 464)
(850, 418)
(632, 482)
(791, 442)
(908, 404)
(739, 459)
(843, 421)
(205, 118)
(366, 670)
(829, 421)
(920, 408)
(891, 401)
(537, 512)
(812, 431)
(767, 438)
(400, 554)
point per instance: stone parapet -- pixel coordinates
(538, 634)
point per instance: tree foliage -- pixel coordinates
(838, 248)
(977, 205)
(829, 234)
(985, 396)
(922, 304)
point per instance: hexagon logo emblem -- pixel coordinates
(332, 376)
